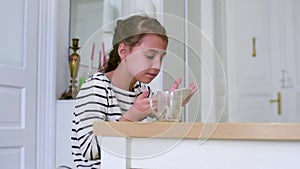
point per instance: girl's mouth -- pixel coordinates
(151, 74)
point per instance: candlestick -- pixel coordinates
(74, 60)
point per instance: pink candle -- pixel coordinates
(93, 50)
(100, 61)
(103, 50)
(104, 61)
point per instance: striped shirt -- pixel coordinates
(97, 100)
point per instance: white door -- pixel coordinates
(290, 80)
(18, 83)
(257, 54)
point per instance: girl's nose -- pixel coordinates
(156, 64)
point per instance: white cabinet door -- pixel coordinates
(18, 83)
(64, 117)
(255, 80)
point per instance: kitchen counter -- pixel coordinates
(198, 145)
(224, 131)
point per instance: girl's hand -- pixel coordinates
(139, 110)
(176, 84)
(192, 86)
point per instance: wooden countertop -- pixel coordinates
(223, 131)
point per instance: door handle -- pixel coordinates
(278, 101)
(253, 47)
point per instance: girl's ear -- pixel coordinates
(123, 50)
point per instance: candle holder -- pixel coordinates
(74, 60)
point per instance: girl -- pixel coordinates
(120, 94)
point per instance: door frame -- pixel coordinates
(46, 79)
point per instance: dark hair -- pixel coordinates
(130, 31)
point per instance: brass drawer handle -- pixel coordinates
(278, 101)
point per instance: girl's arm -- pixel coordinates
(91, 105)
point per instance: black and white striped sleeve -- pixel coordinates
(90, 106)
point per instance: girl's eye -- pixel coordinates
(150, 56)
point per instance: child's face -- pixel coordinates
(145, 59)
